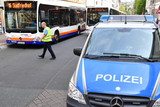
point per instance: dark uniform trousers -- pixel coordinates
(47, 45)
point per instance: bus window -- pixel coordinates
(44, 15)
(53, 18)
(74, 19)
(64, 19)
(11, 20)
(27, 19)
(94, 14)
(72, 15)
(59, 17)
(83, 16)
(114, 12)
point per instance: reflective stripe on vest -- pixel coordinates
(48, 37)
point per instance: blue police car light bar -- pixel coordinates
(104, 18)
(150, 18)
(128, 18)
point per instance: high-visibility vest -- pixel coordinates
(48, 37)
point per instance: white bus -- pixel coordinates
(94, 14)
(23, 20)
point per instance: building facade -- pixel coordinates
(152, 7)
(1, 17)
(103, 3)
(76, 1)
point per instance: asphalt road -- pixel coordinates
(23, 76)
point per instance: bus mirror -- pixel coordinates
(77, 51)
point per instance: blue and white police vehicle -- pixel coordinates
(119, 65)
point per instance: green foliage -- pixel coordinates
(130, 11)
(126, 10)
(122, 8)
(139, 6)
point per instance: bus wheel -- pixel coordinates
(79, 31)
(56, 37)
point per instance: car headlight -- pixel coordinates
(156, 103)
(75, 94)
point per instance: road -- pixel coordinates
(24, 78)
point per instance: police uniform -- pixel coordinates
(47, 43)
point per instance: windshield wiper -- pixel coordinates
(97, 56)
(130, 55)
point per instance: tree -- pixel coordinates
(126, 8)
(122, 8)
(130, 11)
(139, 6)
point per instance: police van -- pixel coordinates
(119, 65)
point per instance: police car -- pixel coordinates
(119, 65)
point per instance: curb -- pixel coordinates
(2, 44)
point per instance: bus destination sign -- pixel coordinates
(97, 10)
(17, 5)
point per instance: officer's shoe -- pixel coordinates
(41, 56)
(53, 58)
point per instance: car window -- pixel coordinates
(156, 46)
(124, 40)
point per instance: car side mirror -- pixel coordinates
(77, 51)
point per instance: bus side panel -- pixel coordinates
(68, 31)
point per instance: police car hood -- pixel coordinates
(125, 78)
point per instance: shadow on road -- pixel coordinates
(26, 46)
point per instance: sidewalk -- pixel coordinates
(2, 40)
(50, 98)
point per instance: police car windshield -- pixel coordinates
(138, 41)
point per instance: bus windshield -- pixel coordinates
(94, 14)
(21, 20)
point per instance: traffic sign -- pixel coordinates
(158, 11)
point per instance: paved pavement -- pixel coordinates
(27, 81)
(2, 40)
(50, 98)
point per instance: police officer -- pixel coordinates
(46, 38)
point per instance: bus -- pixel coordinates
(94, 14)
(23, 20)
